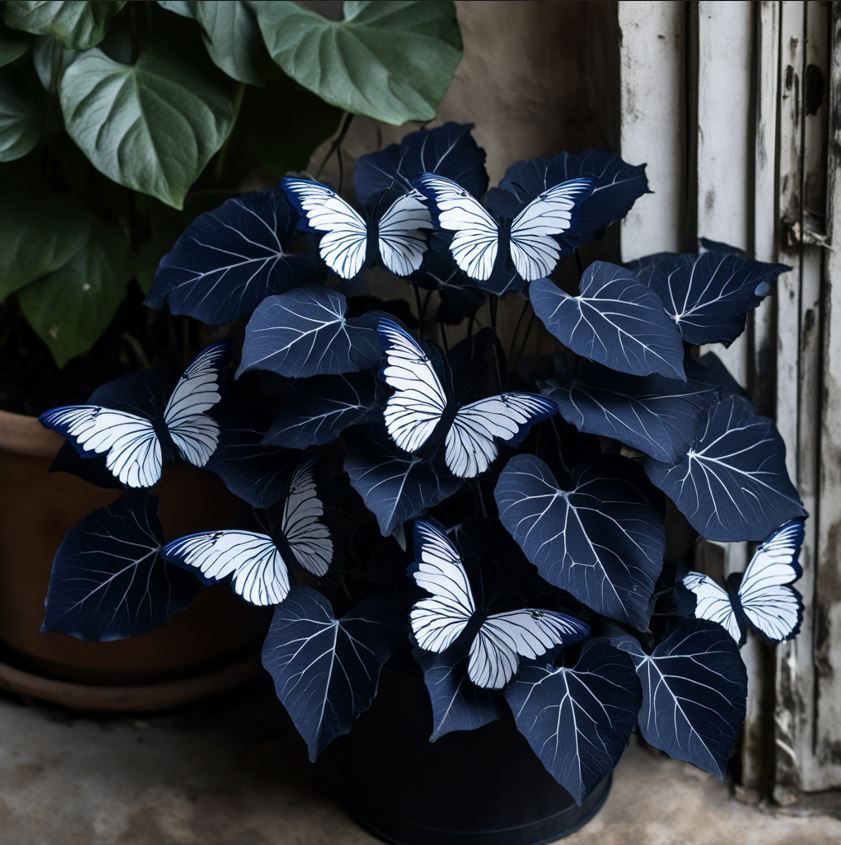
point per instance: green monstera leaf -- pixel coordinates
(151, 126)
(71, 307)
(78, 25)
(389, 60)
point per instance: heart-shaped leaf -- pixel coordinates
(38, 234)
(228, 260)
(326, 670)
(72, 306)
(447, 150)
(392, 61)
(656, 415)
(694, 686)
(600, 540)
(231, 36)
(395, 487)
(578, 721)
(618, 186)
(151, 126)
(109, 579)
(251, 470)
(708, 295)
(304, 332)
(709, 369)
(457, 703)
(322, 408)
(20, 116)
(731, 483)
(78, 26)
(615, 320)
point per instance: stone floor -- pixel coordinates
(231, 772)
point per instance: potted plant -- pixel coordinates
(481, 529)
(122, 122)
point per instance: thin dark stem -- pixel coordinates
(517, 328)
(444, 342)
(426, 304)
(525, 340)
(419, 309)
(346, 121)
(580, 263)
(219, 167)
(493, 305)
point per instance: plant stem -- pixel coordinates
(493, 305)
(419, 309)
(517, 328)
(223, 153)
(579, 262)
(444, 341)
(346, 121)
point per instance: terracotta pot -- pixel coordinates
(209, 638)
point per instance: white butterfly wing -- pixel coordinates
(129, 442)
(534, 250)
(438, 622)
(402, 241)
(506, 637)
(344, 245)
(772, 606)
(259, 573)
(308, 537)
(194, 433)
(713, 603)
(476, 240)
(469, 445)
(419, 400)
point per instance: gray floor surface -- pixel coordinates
(231, 771)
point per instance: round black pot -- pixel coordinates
(481, 787)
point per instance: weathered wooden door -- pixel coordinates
(737, 108)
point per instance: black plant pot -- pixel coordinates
(482, 787)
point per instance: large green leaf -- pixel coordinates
(151, 126)
(71, 307)
(38, 234)
(12, 46)
(231, 36)
(77, 24)
(20, 116)
(389, 60)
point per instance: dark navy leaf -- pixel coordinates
(707, 245)
(618, 186)
(600, 540)
(305, 332)
(322, 408)
(708, 295)
(693, 693)
(457, 703)
(578, 721)
(710, 369)
(614, 320)
(656, 415)
(229, 259)
(253, 471)
(731, 483)
(395, 486)
(326, 670)
(109, 579)
(447, 150)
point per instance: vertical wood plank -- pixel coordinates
(824, 771)
(652, 69)
(725, 136)
(793, 687)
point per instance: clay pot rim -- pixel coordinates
(24, 435)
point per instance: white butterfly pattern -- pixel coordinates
(346, 241)
(763, 595)
(419, 403)
(130, 442)
(255, 560)
(477, 237)
(503, 638)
